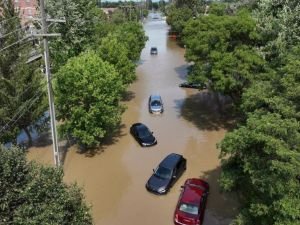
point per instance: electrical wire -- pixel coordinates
(12, 32)
(17, 42)
(21, 111)
(8, 19)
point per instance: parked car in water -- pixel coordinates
(153, 51)
(155, 104)
(192, 202)
(199, 86)
(143, 135)
(166, 174)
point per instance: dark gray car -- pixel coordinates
(155, 104)
(166, 174)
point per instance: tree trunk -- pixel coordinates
(28, 135)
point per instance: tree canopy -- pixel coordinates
(77, 33)
(88, 91)
(114, 52)
(222, 49)
(33, 194)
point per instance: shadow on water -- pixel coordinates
(128, 96)
(220, 203)
(207, 110)
(44, 139)
(182, 71)
(111, 139)
(140, 62)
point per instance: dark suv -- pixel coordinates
(153, 51)
(166, 174)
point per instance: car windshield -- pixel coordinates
(155, 103)
(188, 208)
(163, 173)
(143, 132)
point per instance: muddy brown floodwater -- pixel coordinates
(113, 178)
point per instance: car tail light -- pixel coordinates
(198, 222)
(176, 217)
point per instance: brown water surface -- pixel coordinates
(114, 177)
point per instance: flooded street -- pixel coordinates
(113, 178)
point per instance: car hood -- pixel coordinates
(155, 183)
(185, 218)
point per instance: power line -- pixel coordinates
(5, 35)
(20, 116)
(8, 19)
(13, 44)
(17, 116)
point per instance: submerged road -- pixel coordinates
(113, 178)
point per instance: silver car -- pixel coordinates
(155, 104)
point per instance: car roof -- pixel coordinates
(155, 97)
(170, 161)
(193, 190)
(136, 125)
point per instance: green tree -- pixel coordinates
(279, 24)
(114, 52)
(33, 194)
(261, 158)
(22, 87)
(88, 91)
(132, 35)
(78, 32)
(263, 165)
(178, 17)
(223, 50)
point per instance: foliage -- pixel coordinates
(88, 92)
(261, 158)
(33, 194)
(76, 33)
(133, 37)
(279, 24)
(263, 166)
(114, 52)
(178, 17)
(118, 17)
(222, 49)
(22, 92)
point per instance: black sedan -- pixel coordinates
(199, 86)
(166, 174)
(143, 135)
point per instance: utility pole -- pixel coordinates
(49, 85)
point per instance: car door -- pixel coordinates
(181, 167)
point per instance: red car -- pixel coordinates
(192, 201)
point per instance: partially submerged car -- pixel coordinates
(155, 104)
(143, 135)
(153, 51)
(199, 86)
(192, 202)
(166, 174)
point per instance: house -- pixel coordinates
(27, 9)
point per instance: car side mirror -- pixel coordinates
(153, 170)
(182, 186)
(152, 132)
